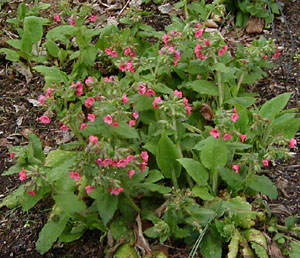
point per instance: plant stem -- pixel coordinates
(239, 83)
(215, 178)
(284, 228)
(174, 179)
(186, 10)
(77, 133)
(133, 204)
(219, 81)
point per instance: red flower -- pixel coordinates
(44, 119)
(214, 133)
(74, 175)
(22, 174)
(236, 168)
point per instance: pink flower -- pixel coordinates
(49, 92)
(214, 133)
(143, 166)
(89, 102)
(114, 53)
(207, 43)
(93, 139)
(57, 18)
(142, 89)
(74, 175)
(93, 18)
(71, 21)
(42, 99)
(292, 143)
(131, 123)
(91, 117)
(32, 193)
(89, 189)
(11, 155)
(64, 128)
(144, 156)
(115, 124)
(110, 78)
(83, 125)
(107, 162)
(225, 48)
(226, 136)
(108, 119)
(156, 101)
(264, 57)
(44, 119)
(131, 173)
(221, 52)
(150, 93)
(89, 81)
(265, 162)
(108, 51)
(236, 168)
(128, 52)
(124, 99)
(234, 117)
(177, 94)
(243, 137)
(99, 162)
(122, 67)
(199, 33)
(166, 39)
(116, 190)
(276, 55)
(79, 88)
(234, 110)
(122, 163)
(129, 67)
(129, 158)
(135, 115)
(22, 175)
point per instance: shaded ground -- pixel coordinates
(19, 230)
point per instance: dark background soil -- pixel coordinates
(19, 230)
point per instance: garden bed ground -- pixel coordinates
(19, 230)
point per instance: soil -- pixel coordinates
(19, 230)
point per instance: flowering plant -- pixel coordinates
(165, 132)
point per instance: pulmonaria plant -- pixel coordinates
(140, 137)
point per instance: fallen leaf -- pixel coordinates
(207, 112)
(255, 25)
(166, 8)
(22, 69)
(34, 102)
(211, 24)
(4, 142)
(274, 251)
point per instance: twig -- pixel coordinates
(123, 8)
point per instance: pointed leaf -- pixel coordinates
(262, 184)
(107, 205)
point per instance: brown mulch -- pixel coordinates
(19, 230)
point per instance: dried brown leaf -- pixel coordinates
(141, 241)
(255, 25)
(211, 24)
(22, 69)
(274, 251)
(207, 112)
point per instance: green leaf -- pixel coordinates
(254, 235)
(52, 48)
(231, 178)
(125, 251)
(159, 87)
(233, 247)
(16, 43)
(154, 176)
(119, 229)
(295, 249)
(14, 199)
(36, 144)
(10, 54)
(291, 221)
(202, 192)
(259, 250)
(51, 231)
(238, 145)
(214, 153)
(107, 205)
(243, 101)
(196, 170)
(126, 131)
(26, 44)
(52, 74)
(89, 55)
(34, 25)
(155, 188)
(141, 102)
(69, 202)
(262, 184)
(252, 77)
(287, 128)
(57, 157)
(61, 32)
(272, 107)
(204, 87)
(166, 156)
(211, 245)
(13, 170)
